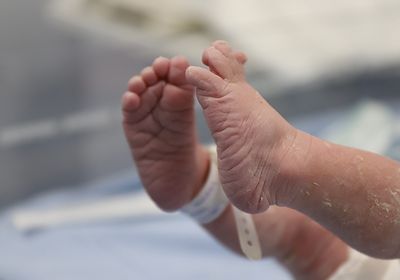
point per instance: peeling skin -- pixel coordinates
(327, 203)
(359, 158)
(327, 144)
(360, 198)
(385, 206)
(396, 195)
(360, 171)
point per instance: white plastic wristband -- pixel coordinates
(209, 204)
(248, 237)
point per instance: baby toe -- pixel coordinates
(136, 85)
(149, 76)
(130, 104)
(223, 47)
(161, 67)
(241, 57)
(227, 67)
(176, 74)
(205, 80)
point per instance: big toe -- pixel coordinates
(223, 61)
(206, 82)
(177, 69)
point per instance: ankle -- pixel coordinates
(294, 152)
(202, 167)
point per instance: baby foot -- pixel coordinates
(251, 137)
(159, 125)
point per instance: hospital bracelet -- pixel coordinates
(211, 202)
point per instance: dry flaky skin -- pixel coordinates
(252, 138)
(353, 193)
(262, 161)
(265, 161)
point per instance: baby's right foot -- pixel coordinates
(252, 138)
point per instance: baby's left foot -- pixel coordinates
(254, 142)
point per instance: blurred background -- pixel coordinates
(64, 65)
